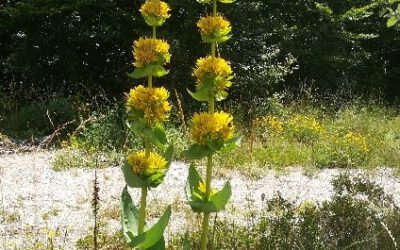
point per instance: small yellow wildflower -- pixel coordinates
(209, 68)
(214, 28)
(273, 123)
(146, 166)
(150, 51)
(151, 101)
(305, 128)
(155, 12)
(51, 233)
(202, 189)
(209, 127)
(305, 123)
(354, 139)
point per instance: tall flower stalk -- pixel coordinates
(147, 108)
(211, 131)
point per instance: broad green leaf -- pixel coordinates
(392, 21)
(201, 95)
(156, 179)
(138, 73)
(160, 245)
(154, 70)
(154, 20)
(152, 236)
(215, 145)
(131, 179)
(213, 38)
(221, 198)
(158, 71)
(137, 125)
(149, 134)
(169, 154)
(197, 152)
(232, 143)
(129, 215)
(159, 132)
(217, 201)
(221, 95)
(192, 184)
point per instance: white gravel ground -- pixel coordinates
(34, 198)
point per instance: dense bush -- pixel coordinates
(39, 118)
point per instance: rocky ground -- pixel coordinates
(38, 204)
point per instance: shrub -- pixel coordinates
(39, 118)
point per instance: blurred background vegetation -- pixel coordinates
(64, 64)
(76, 47)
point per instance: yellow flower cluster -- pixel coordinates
(155, 12)
(214, 25)
(150, 51)
(142, 165)
(209, 127)
(209, 68)
(151, 101)
(271, 122)
(304, 123)
(356, 140)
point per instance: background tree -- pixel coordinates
(71, 46)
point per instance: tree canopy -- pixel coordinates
(71, 46)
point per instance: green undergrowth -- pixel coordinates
(359, 215)
(297, 134)
(356, 136)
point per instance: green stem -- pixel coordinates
(213, 45)
(211, 106)
(204, 232)
(143, 198)
(142, 210)
(206, 218)
(211, 109)
(214, 7)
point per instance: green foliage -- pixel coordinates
(149, 70)
(178, 138)
(105, 241)
(78, 158)
(358, 216)
(39, 118)
(217, 200)
(152, 238)
(80, 45)
(392, 15)
(305, 134)
(106, 132)
(66, 47)
(197, 151)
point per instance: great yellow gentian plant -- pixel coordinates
(211, 131)
(147, 108)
